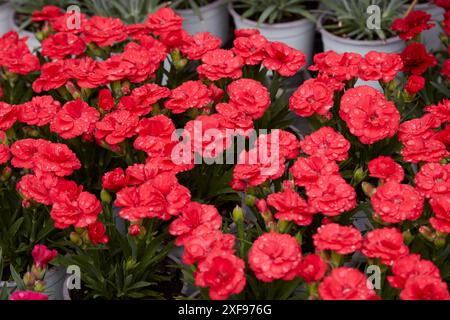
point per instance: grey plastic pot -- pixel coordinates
(6, 12)
(214, 19)
(32, 42)
(296, 34)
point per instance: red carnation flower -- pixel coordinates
(394, 202)
(116, 126)
(86, 71)
(160, 197)
(78, 210)
(386, 169)
(4, 153)
(313, 96)
(331, 195)
(249, 96)
(164, 20)
(25, 150)
(368, 114)
(327, 143)
(114, 180)
(144, 97)
(74, 119)
(410, 266)
(433, 179)
(222, 272)
(115, 68)
(380, 66)
(56, 158)
(38, 188)
(342, 67)
(441, 209)
(97, 233)
(196, 46)
(28, 295)
(39, 111)
(142, 62)
(65, 22)
(155, 135)
(105, 99)
(191, 94)
(194, 216)
(417, 149)
(271, 261)
(306, 171)
(53, 75)
(139, 173)
(43, 255)
(285, 60)
(233, 117)
(290, 207)
(446, 67)
(312, 268)
(416, 59)
(425, 287)
(15, 56)
(47, 13)
(415, 84)
(198, 246)
(385, 244)
(251, 48)
(341, 239)
(62, 44)
(220, 63)
(8, 115)
(346, 284)
(412, 25)
(104, 31)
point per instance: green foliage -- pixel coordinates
(272, 11)
(348, 18)
(127, 267)
(129, 11)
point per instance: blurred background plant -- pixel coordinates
(348, 18)
(275, 11)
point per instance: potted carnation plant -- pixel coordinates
(290, 22)
(344, 28)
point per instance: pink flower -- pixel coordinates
(116, 126)
(220, 63)
(385, 244)
(425, 287)
(313, 96)
(249, 96)
(43, 255)
(104, 31)
(191, 94)
(327, 143)
(312, 268)
(341, 239)
(386, 169)
(28, 295)
(380, 66)
(306, 171)
(285, 60)
(410, 266)
(39, 111)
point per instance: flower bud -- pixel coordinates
(439, 242)
(368, 189)
(238, 214)
(283, 225)
(75, 239)
(38, 272)
(358, 176)
(73, 90)
(105, 196)
(427, 233)
(250, 200)
(29, 279)
(134, 230)
(39, 286)
(6, 174)
(130, 264)
(408, 237)
(180, 64)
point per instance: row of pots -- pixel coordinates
(298, 34)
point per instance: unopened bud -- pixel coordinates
(250, 200)
(38, 272)
(134, 230)
(358, 176)
(180, 64)
(283, 225)
(75, 239)
(130, 264)
(439, 242)
(407, 237)
(39, 286)
(368, 189)
(427, 233)
(6, 174)
(238, 214)
(105, 196)
(29, 279)
(75, 93)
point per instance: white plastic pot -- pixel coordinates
(32, 42)
(6, 12)
(431, 37)
(341, 45)
(214, 19)
(296, 34)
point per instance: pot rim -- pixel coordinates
(212, 5)
(373, 43)
(279, 25)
